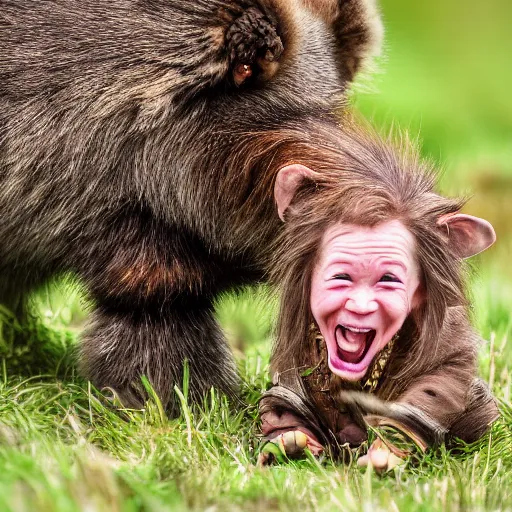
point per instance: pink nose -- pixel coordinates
(361, 303)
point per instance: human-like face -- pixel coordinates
(364, 286)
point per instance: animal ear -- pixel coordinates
(467, 235)
(288, 180)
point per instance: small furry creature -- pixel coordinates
(373, 317)
(139, 144)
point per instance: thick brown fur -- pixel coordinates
(135, 154)
(433, 364)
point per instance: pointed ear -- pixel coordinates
(288, 181)
(467, 235)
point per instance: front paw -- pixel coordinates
(289, 445)
(253, 45)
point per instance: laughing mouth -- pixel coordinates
(353, 343)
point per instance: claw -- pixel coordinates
(289, 444)
(294, 441)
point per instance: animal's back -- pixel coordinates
(122, 124)
(104, 102)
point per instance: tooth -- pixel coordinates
(358, 330)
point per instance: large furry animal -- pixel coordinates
(373, 308)
(139, 144)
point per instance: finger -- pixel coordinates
(294, 442)
(379, 459)
(378, 455)
(314, 446)
(394, 461)
(363, 461)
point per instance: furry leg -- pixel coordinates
(120, 347)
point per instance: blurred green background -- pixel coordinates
(446, 76)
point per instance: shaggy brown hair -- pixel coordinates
(366, 181)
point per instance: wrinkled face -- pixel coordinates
(364, 286)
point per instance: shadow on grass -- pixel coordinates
(32, 348)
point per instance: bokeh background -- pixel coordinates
(446, 76)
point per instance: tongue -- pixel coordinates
(351, 346)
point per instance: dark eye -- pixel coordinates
(343, 277)
(389, 278)
(241, 73)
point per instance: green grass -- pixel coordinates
(63, 446)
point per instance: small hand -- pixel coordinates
(291, 444)
(380, 457)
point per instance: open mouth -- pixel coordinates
(353, 343)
